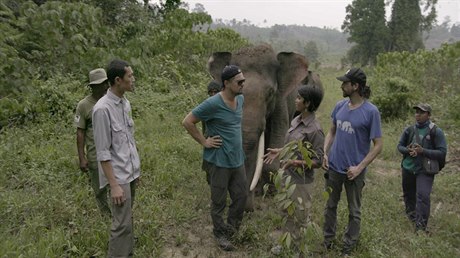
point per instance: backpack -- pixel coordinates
(432, 133)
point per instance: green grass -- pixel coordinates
(47, 208)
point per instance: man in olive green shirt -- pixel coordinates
(83, 120)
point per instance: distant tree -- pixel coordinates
(199, 8)
(455, 30)
(438, 35)
(365, 22)
(275, 32)
(170, 5)
(407, 23)
(311, 51)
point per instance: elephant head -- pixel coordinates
(269, 92)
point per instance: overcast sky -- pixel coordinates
(318, 13)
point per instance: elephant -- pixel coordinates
(269, 93)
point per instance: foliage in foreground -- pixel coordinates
(284, 187)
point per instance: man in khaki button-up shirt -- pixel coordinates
(117, 153)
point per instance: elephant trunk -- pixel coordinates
(259, 161)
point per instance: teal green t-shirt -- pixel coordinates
(223, 121)
(409, 162)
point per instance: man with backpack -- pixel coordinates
(424, 149)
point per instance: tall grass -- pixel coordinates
(47, 208)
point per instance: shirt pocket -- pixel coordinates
(131, 125)
(118, 136)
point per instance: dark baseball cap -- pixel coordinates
(424, 107)
(229, 72)
(353, 75)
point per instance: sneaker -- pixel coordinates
(276, 250)
(224, 244)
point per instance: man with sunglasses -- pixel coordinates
(223, 152)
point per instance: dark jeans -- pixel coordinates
(232, 180)
(417, 189)
(353, 190)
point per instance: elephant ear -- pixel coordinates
(313, 79)
(293, 70)
(217, 62)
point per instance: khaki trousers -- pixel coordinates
(121, 243)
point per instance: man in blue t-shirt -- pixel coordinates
(347, 153)
(223, 152)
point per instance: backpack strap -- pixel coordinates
(433, 127)
(410, 132)
(417, 136)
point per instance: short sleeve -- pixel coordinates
(80, 120)
(376, 129)
(204, 111)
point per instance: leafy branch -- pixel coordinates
(294, 150)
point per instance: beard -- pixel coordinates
(348, 93)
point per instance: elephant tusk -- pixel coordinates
(260, 153)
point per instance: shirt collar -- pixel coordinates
(423, 125)
(298, 120)
(113, 97)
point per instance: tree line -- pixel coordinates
(366, 33)
(372, 34)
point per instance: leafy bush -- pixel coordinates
(58, 40)
(54, 99)
(395, 99)
(430, 76)
(62, 37)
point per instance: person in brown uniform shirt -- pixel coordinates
(307, 128)
(98, 83)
